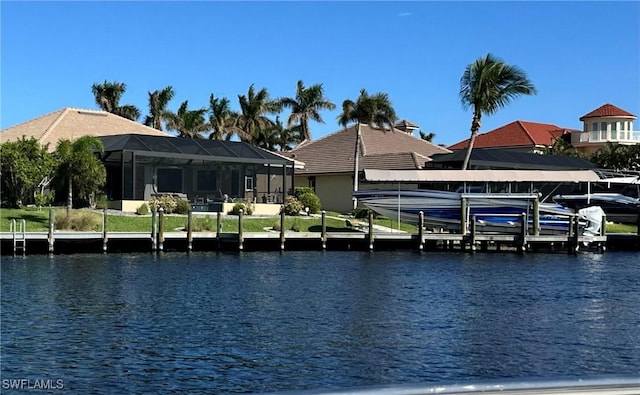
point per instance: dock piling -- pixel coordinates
(189, 230)
(218, 228)
(240, 235)
(522, 247)
(421, 230)
(105, 237)
(154, 233)
(282, 238)
(50, 237)
(370, 230)
(324, 230)
(473, 233)
(160, 229)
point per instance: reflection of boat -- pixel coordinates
(617, 207)
(500, 212)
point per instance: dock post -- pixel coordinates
(536, 216)
(576, 233)
(324, 230)
(282, 238)
(161, 229)
(421, 230)
(473, 234)
(105, 238)
(371, 230)
(154, 231)
(240, 235)
(50, 237)
(603, 232)
(189, 230)
(523, 233)
(463, 216)
(218, 227)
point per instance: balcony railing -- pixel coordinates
(625, 136)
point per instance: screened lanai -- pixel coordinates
(205, 172)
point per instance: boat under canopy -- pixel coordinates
(394, 176)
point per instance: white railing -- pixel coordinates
(625, 136)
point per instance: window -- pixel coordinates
(169, 180)
(603, 134)
(594, 126)
(206, 180)
(603, 126)
(248, 183)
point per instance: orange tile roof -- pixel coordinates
(516, 134)
(70, 123)
(389, 149)
(607, 110)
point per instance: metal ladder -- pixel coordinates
(19, 236)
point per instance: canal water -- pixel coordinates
(264, 322)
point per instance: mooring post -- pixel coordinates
(463, 216)
(50, 238)
(105, 238)
(154, 233)
(523, 232)
(421, 230)
(324, 230)
(161, 229)
(189, 230)
(473, 233)
(603, 232)
(371, 230)
(240, 236)
(218, 228)
(576, 235)
(282, 239)
(536, 216)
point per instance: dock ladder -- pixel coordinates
(18, 230)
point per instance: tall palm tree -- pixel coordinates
(221, 118)
(79, 167)
(107, 96)
(158, 102)
(376, 111)
(487, 85)
(306, 106)
(277, 137)
(254, 107)
(188, 123)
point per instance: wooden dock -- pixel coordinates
(18, 241)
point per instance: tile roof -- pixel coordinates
(380, 149)
(70, 123)
(516, 134)
(607, 110)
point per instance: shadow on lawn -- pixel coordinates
(318, 228)
(31, 218)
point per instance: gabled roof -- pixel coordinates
(516, 134)
(607, 110)
(379, 149)
(505, 159)
(187, 148)
(71, 123)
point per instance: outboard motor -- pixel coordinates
(593, 215)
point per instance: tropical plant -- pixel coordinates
(617, 157)
(376, 111)
(427, 136)
(221, 118)
(254, 106)
(188, 123)
(487, 85)
(292, 206)
(158, 102)
(312, 201)
(307, 104)
(80, 168)
(562, 147)
(26, 167)
(107, 96)
(276, 137)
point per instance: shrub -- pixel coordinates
(299, 191)
(182, 207)
(102, 202)
(203, 224)
(80, 221)
(143, 209)
(245, 207)
(362, 212)
(44, 199)
(276, 225)
(167, 202)
(310, 200)
(292, 206)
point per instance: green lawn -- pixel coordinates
(38, 220)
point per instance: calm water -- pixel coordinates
(261, 322)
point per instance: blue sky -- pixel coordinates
(579, 55)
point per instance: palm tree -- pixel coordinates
(277, 137)
(221, 118)
(487, 85)
(158, 102)
(375, 111)
(306, 106)
(427, 136)
(107, 96)
(254, 107)
(188, 123)
(79, 167)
